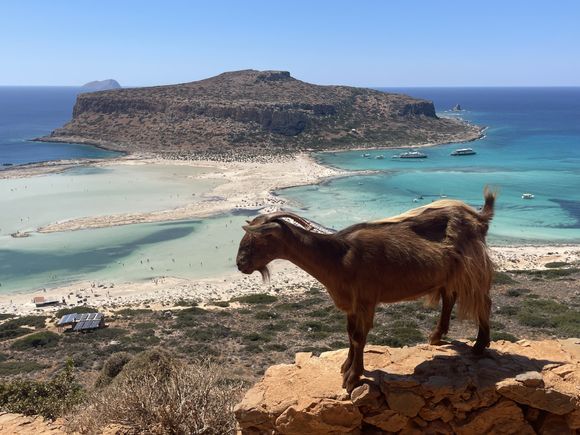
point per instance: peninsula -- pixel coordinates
(254, 113)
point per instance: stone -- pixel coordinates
(504, 417)
(405, 402)
(422, 389)
(573, 419)
(388, 420)
(555, 425)
(531, 379)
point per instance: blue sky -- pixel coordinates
(361, 43)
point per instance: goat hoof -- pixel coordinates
(479, 348)
(435, 341)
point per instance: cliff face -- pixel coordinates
(256, 111)
(517, 388)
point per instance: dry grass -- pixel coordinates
(157, 393)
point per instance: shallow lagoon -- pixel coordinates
(28, 203)
(190, 249)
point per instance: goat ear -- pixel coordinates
(262, 229)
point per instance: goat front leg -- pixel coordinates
(350, 327)
(363, 324)
(447, 302)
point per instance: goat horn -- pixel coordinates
(280, 214)
(259, 228)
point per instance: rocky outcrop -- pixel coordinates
(11, 423)
(516, 388)
(254, 111)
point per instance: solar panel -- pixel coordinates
(84, 317)
(91, 316)
(78, 326)
(94, 324)
(99, 316)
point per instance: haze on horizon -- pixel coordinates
(362, 43)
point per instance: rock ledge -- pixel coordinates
(525, 387)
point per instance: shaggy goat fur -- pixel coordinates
(436, 251)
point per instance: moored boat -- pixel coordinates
(410, 155)
(527, 196)
(463, 152)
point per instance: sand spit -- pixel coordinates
(244, 185)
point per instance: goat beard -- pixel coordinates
(265, 272)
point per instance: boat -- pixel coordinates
(527, 196)
(463, 152)
(457, 108)
(366, 156)
(410, 155)
(381, 157)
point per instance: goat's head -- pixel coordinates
(263, 242)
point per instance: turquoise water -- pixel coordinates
(190, 249)
(532, 144)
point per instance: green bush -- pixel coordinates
(256, 298)
(546, 313)
(501, 335)
(556, 264)
(38, 339)
(51, 398)
(71, 310)
(112, 368)
(17, 326)
(516, 292)
(9, 368)
(221, 304)
(503, 278)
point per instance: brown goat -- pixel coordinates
(437, 251)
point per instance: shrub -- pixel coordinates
(503, 278)
(556, 264)
(517, 292)
(50, 398)
(8, 368)
(256, 298)
(501, 335)
(70, 310)
(112, 368)
(16, 327)
(155, 392)
(38, 339)
(221, 304)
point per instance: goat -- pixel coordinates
(437, 251)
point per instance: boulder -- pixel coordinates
(522, 388)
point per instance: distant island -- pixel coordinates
(254, 112)
(101, 85)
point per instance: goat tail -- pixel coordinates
(471, 282)
(487, 211)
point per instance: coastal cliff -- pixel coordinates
(256, 112)
(525, 388)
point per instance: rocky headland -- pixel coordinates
(254, 112)
(526, 387)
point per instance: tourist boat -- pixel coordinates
(410, 155)
(527, 196)
(366, 155)
(381, 157)
(463, 152)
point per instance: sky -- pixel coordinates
(361, 43)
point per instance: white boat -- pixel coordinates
(463, 152)
(366, 155)
(381, 157)
(527, 196)
(410, 155)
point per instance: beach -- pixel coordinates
(242, 185)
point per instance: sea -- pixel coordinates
(531, 145)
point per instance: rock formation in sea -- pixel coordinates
(521, 388)
(256, 112)
(101, 85)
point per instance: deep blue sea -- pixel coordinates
(30, 112)
(532, 145)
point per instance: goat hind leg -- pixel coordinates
(483, 336)
(447, 302)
